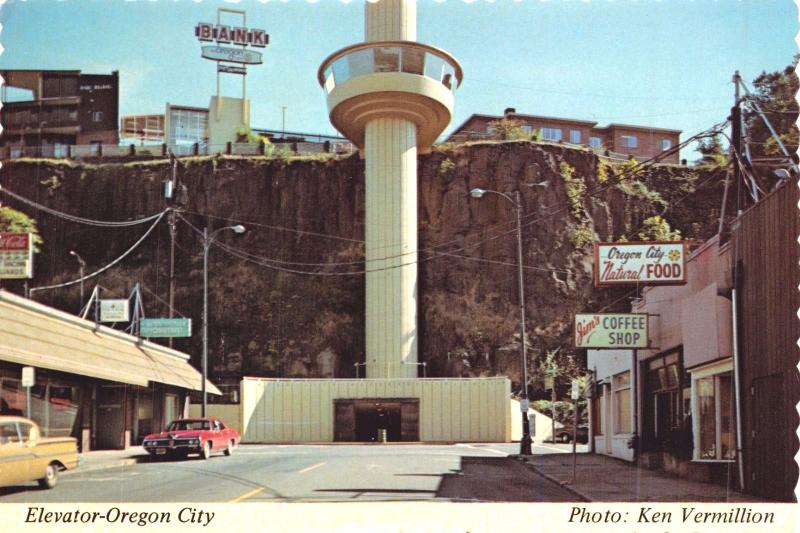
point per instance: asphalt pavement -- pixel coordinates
(308, 473)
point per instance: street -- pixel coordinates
(306, 473)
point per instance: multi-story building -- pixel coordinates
(45, 111)
(641, 142)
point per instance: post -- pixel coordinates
(553, 410)
(574, 439)
(80, 272)
(28, 402)
(204, 362)
(525, 443)
(172, 234)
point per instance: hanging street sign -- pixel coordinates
(16, 255)
(640, 263)
(28, 376)
(232, 55)
(165, 327)
(116, 310)
(611, 330)
(576, 388)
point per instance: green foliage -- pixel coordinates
(52, 183)
(13, 221)
(446, 167)
(712, 152)
(581, 233)
(507, 129)
(656, 228)
(775, 94)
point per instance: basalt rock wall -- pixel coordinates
(287, 297)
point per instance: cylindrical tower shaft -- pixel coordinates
(391, 244)
(390, 151)
(391, 20)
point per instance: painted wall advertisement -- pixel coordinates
(611, 330)
(16, 256)
(643, 263)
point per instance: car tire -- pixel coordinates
(205, 453)
(50, 477)
(564, 438)
(229, 448)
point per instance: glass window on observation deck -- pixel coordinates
(387, 59)
(413, 60)
(359, 63)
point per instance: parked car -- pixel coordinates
(192, 435)
(26, 456)
(564, 434)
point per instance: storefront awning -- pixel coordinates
(35, 335)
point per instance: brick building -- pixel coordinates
(49, 110)
(641, 142)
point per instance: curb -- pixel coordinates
(580, 494)
(100, 466)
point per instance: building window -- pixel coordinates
(665, 400)
(629, 141)
(622, 402)
(595, 142)
(714, 409)
(575, 136)
(527, 128)
(551, 134)
(665, 144)
(97, 116)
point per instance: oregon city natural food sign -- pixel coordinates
(643, 263)
(611, 330)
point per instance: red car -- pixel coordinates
(192, 435)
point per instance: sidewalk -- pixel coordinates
(605, 479)
(101, 459)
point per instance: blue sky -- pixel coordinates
(661, 63)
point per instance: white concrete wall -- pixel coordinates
(543, 423)
(451, 410)
(607, 363)
(231, 414)
(226, 116)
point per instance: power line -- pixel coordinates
(111, 264)
(80, 220)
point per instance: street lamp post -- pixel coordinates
(81, 266)
(208, 240)
(525, 442)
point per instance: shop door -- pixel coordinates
(110, 430)
(344, 421)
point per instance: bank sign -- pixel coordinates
(611, 330)
(16, 255)
(640, 263)
(231, 35)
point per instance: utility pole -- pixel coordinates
(172, 234)
(736, 141)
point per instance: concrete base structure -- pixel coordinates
(226, 116)
(349, 410)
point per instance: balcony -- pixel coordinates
(399, 79)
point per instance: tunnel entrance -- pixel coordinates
(365, 419)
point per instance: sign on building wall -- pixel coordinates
(115, 310)
(16, 255)
(611, 330)
(223, 34)
(643, 263)
(165, 327)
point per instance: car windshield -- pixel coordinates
(183, 425)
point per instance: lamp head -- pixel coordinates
(477, 193)
(238, 229)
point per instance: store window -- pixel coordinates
(715, 439)
(622, 402)
(666, 399)
(54, 403)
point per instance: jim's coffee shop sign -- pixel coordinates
(642, 263)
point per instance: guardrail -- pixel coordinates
(85, 151)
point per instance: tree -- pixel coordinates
(13, 221)
(774, 93)
(712, 152)
(507, 129)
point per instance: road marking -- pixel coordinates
(310, 468)
(246, 495)
(482, 449)
(548, 447)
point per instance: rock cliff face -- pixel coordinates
(291, 303)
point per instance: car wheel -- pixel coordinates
(229, 449)
(564, 437)
(50, 477)
(206, 452)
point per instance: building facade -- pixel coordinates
(99, 385)
(55, 109)
(640, 142)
